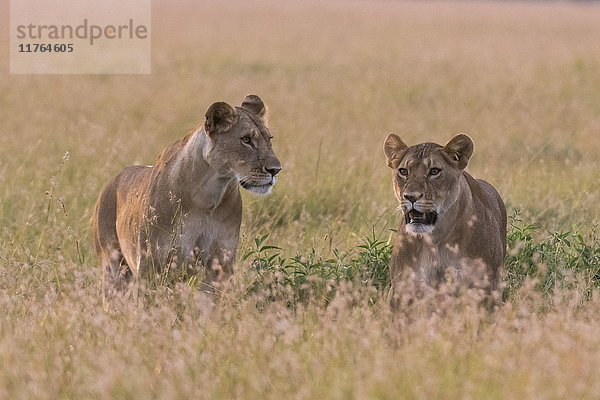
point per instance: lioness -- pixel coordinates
(187, 208)
(453, 226)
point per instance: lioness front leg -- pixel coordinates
(219, 268)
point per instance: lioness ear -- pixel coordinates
(219, 118)
(254, 104)
(394, 148)
(459, 150)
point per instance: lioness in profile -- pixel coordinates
(453, 226)
(187, 208)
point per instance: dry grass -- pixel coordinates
(522, 79)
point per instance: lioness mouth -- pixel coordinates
(416, 217)
(258, 188)
(249, 186)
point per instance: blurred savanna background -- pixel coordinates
(309, 317)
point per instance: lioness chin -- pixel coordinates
(187, 208)
(453, 226)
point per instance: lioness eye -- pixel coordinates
(247, 139)
(434, 171)
(403, 171)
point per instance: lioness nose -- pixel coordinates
(412, 197)
(273, 170)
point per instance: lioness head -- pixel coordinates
(241, 143)
(426, 178)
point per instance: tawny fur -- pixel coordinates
(467, 243)
(186, 210)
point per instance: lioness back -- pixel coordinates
(453, 226)
(496, 203)
(186, 210)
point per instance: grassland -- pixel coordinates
(522, 79)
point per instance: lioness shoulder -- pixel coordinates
(187, 208)
(452, 223)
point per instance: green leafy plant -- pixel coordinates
(312, 276)
(556, 258)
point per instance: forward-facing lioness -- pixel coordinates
(187, 208)
(453, 226)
